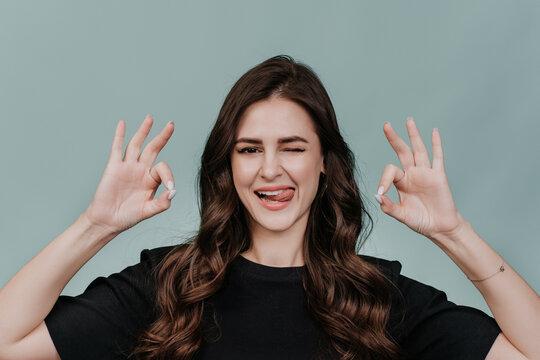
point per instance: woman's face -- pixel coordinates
(276, 164)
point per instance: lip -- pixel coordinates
(274, 206)
(275, 188)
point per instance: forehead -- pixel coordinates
(275, 117)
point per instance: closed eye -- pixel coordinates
(298, 150)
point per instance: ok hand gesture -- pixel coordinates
(125, 193)
(425, 204)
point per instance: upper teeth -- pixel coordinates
(271, 192)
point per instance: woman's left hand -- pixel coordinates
(425, 204)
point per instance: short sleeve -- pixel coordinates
(104, 321)
(429, 326)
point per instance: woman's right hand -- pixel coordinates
(125, 194)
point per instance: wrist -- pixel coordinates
(469, 251)
(95, 229)
(456, 236)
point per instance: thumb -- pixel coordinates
(162, 203)
(389, 208)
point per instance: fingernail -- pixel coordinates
(387, 122)
(170, 122)
(436, 129)
(378, 198)
(170, 185)
(171, 194)
(380, 190)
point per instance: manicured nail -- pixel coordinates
(171, 194)
(170, 185)
(380, 191)
(378, 198)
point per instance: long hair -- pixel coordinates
(348, 298)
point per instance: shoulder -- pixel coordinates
(406, 289)
(390, 268)
(428, 325)
(118, 306)
(152, 257)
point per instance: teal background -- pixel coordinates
(70, 70)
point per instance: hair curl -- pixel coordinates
(348, 297)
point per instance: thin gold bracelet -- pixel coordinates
(501, 269)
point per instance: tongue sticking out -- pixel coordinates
(284, 196)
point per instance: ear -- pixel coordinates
(323, 167)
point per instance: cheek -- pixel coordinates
(306, 172)
(243, 174)
(306, 175)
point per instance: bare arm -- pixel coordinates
(514, 304)
(29, 296)
(123, 198)
(427, 207)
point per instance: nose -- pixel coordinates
(270, 166)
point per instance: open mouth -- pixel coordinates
(276, 196)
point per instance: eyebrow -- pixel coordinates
(284, 140)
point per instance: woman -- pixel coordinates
(273, 272)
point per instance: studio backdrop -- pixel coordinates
(70, 70)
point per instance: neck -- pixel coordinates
(277, 248)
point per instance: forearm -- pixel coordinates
(30, 294)
(514, 304)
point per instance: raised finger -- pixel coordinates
(421, 157)
(134, 145)
(152, 149)
(438, 157)
(401, 148)
(118, 141)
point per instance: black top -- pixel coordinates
(262, 315)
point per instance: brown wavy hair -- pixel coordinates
(349, 298)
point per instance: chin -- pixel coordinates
(275, 225)
(277, 228)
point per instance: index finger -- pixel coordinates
(401, 148)
(152, 149)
